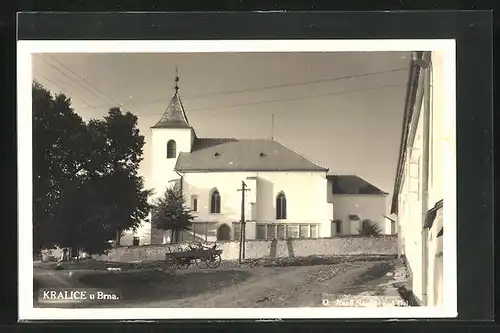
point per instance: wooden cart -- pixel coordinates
(199, 255)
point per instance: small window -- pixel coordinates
(314, 231)
(171, 149)
(281, 206)
(304, 231)
(271, 231)
(194, 203)
(215, 202)
(261, 231)
(136, 241)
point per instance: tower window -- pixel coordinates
(171, 149)
(281, 206)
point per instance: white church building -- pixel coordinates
(288, 195)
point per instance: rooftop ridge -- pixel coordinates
(300, 154)
(361, 178)
(344, 174)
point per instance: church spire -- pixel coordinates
(175, 115)
(176, 79)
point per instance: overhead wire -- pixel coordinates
(83, 79)
(230, 92)
(73, 80)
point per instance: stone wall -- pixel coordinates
(263, 248)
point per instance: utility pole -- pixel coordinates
(243, 222)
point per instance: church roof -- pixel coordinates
(352, 184)
(212, 154)
(174, 116)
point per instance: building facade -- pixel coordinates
(285, 194)
(355, 200)
(419, 184)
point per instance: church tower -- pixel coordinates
(171, 135)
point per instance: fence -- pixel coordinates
(384, 245)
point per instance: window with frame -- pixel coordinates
(261, 231)
(271, 231)
(281, 206)
(136, 241)
(215, 202)
(194, 203)
(314, 231)
(171, 149)
(304, 231)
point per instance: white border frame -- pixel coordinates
(25, 49)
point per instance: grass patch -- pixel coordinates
(97, 265)
(151, 285)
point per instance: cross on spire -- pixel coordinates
(176, 79)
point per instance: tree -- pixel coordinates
(171, 213)
(370, 228)
(83, 215)
(87, 189)
(57, 159)
(116, 152)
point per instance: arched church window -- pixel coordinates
(281, 206)
(215, 202)
(171, 149)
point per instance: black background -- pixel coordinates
(473, 34)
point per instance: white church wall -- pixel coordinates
(305, 193)
(365, 206)
(163, 167)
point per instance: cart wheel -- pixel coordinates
(170, 263)
(214, 261)
(201, 263)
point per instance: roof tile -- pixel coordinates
(174, 116)
(212, 154)
(352, 184)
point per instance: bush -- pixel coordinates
(370, 228)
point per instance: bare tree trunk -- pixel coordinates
(172, 236)
(118, 236)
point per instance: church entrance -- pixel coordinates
(224, 233)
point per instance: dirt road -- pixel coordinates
(301, 285)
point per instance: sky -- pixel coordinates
(343, 110)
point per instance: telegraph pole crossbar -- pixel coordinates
(243, 190)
